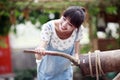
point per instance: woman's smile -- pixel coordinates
(63, 28)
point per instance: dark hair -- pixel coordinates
(75, 14)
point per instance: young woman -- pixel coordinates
(62, 35)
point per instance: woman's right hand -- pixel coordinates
(40, 52)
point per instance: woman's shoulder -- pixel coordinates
(48, 24)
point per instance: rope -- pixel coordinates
(99, 64)
(98, 67)
(90, 65)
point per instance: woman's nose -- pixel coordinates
(65, 23)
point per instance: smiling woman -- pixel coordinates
(62, 35)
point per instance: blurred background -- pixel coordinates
(20, 26)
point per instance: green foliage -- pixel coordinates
(38, 15)
(3, 43)
(111, 10)
(4, 24)
(93, 8)
(85, 49)
(4, 18)
(25, 74)
(108, 6)
(43, 18)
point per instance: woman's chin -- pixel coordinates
(62, 30)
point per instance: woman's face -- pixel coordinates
(65, 25)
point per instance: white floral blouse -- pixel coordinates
(49, 34)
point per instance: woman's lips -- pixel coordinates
(63, 28)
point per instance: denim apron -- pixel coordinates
(56, 67)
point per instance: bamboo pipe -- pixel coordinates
(109, 60)
(54, 53)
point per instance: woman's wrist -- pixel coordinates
(76, 55)
(38, 56)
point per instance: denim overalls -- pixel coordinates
(56, 67)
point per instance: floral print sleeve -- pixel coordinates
(46, 32)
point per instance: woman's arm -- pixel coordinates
(77, 49)
(77, 42)
(40, 50)
(44, 39)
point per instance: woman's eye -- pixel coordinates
(71, 25)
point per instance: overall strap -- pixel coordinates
(76, 35)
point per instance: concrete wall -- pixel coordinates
(21, 60)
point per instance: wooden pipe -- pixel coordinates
(54, 53)
(109, 61)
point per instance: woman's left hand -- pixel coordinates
(76, 56)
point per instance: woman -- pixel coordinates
(62, 35)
